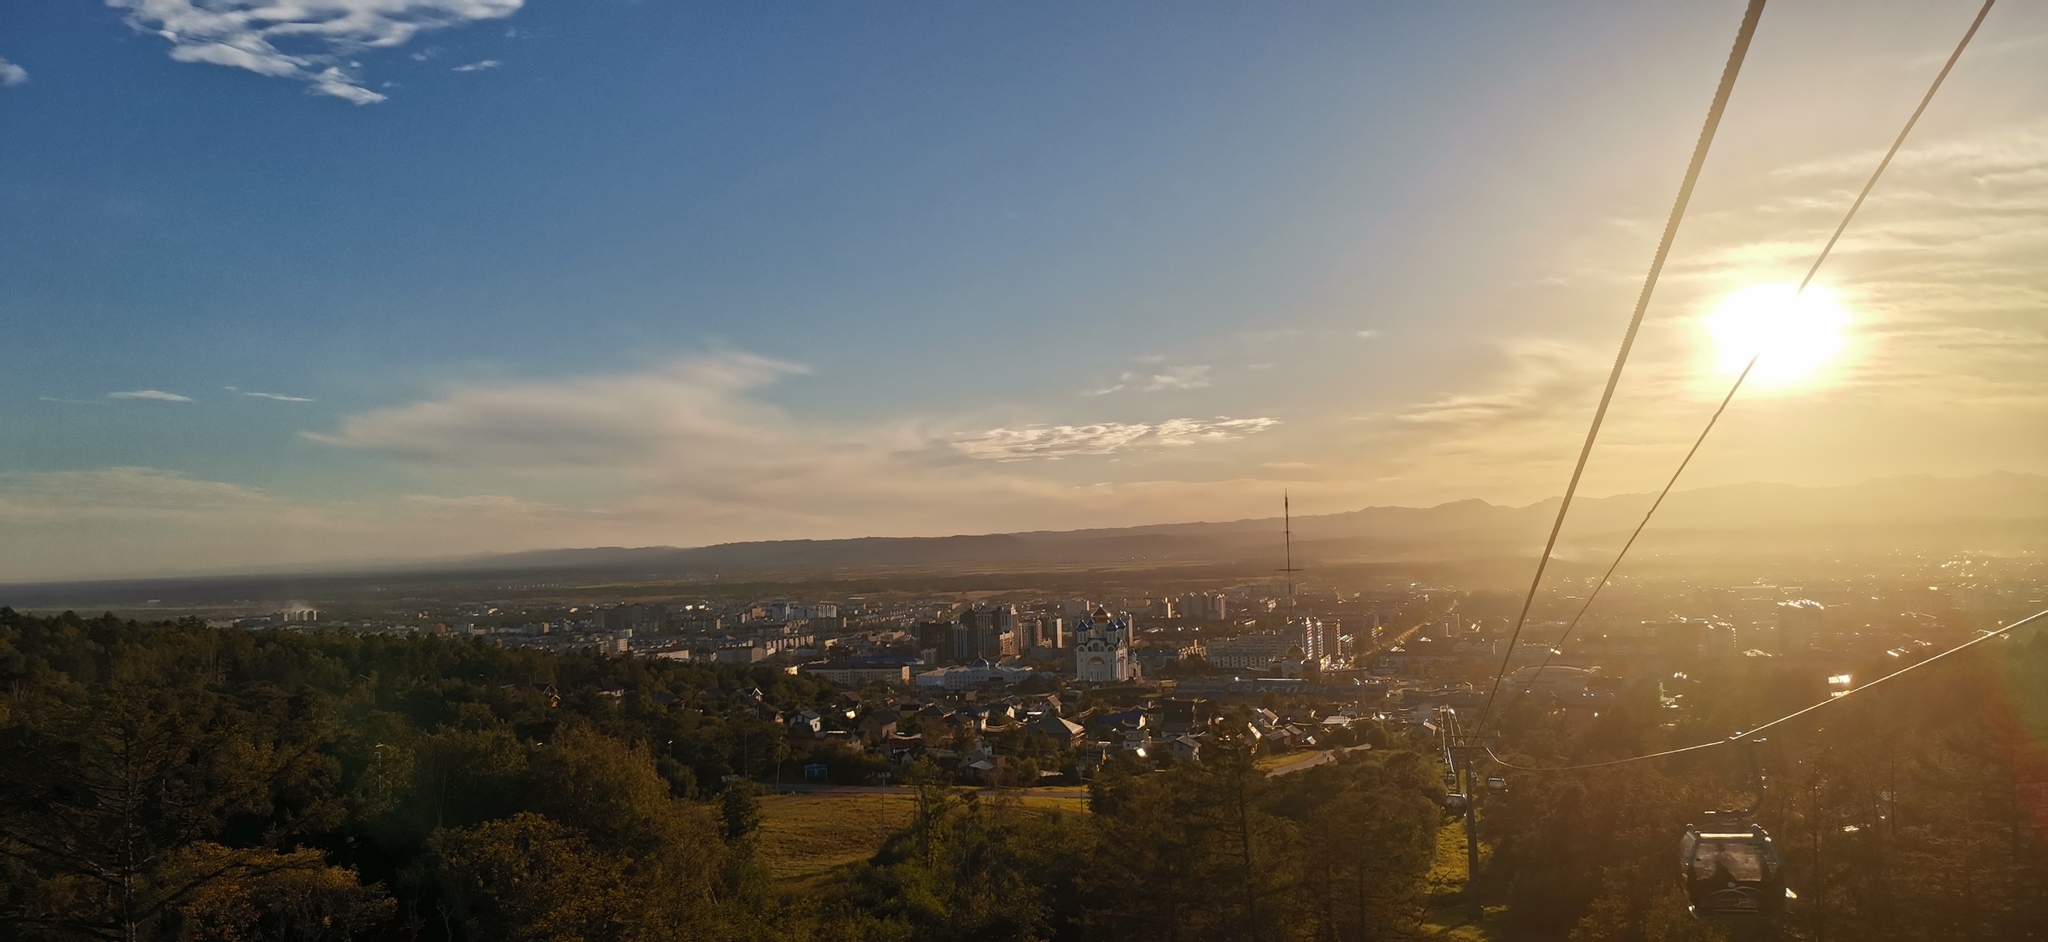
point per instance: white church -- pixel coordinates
(1102, 649)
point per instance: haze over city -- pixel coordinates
(442, 279)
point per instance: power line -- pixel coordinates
(1811, 270)
(1753, 731)
(1628, 338)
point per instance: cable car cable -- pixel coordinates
(1811, 270)
(1743, 34)
(2001, 631)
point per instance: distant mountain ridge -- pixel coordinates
(1916, 509)
(1997, 512)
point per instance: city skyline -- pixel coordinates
(485, 277)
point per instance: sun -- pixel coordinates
(1792, 335)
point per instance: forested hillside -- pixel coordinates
(172, 781)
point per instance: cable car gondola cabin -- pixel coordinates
(1731, 872)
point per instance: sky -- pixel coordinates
(336, 282)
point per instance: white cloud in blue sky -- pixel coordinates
(307, 40)
(1103, 438)
(685, 411)
(11, 74)
(1192, 376)
(156, 395)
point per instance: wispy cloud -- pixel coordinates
(308, 40)
(1939, 271)
(1943, 349)
(1540, 377)
(603, 421)
(11, 74)
(476, 66)
(1053, 441)
(1103, 438)
(1370, 334)
(1172, 378)
(132, 520)
(152, 394)
(1179, 377)
(2016, 149)
(279, 397)
(116, 490)
(692, 444)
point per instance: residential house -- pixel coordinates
(808, 723)
(1066, 732)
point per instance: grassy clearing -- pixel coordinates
(1058, 799)
(1055, 801)
(1449, 915)
(804, 838)
(1267, 762)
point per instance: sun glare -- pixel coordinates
(1792, 335)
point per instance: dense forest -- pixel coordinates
(1917, 810)
(173, 781)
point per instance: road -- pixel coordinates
(1314, 759)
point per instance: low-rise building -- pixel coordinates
(968, 676)
(740, 652)
(850, 674)
(1063, 731)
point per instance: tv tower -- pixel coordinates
(1287, 537)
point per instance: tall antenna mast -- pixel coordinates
(1287, 536)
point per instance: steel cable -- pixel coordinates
(1743, 34)
(1754, 730)
(1811, 270)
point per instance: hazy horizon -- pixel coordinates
(1740, 509)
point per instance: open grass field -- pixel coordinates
(806, 837)
(1058, 798)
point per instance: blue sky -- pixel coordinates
(541, 274)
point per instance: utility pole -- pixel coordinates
(884, 778)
